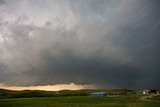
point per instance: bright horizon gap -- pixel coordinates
(57, 87)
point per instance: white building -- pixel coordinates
(146, 91)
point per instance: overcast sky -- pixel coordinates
(106, 43)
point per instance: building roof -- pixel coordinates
(146, 90)
(99, 93)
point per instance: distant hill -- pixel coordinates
(26, 93)
(37, 93)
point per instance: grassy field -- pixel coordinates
(63, 93)
(78, 98)
(83, 101)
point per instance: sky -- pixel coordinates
(80, 43)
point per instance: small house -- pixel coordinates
(143, 92)
(146, 91)
(99, 94)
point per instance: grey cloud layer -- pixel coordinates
(109, 43)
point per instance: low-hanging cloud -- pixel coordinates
(108, 43)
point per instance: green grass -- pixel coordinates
(37, 93)
(78, 98)
(78, 101)
(155, 98)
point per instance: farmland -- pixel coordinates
(118, 100)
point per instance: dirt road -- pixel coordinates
(148, 98)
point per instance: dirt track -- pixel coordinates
(148, 98)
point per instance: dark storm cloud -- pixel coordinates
(2, 2)
(109, 43)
